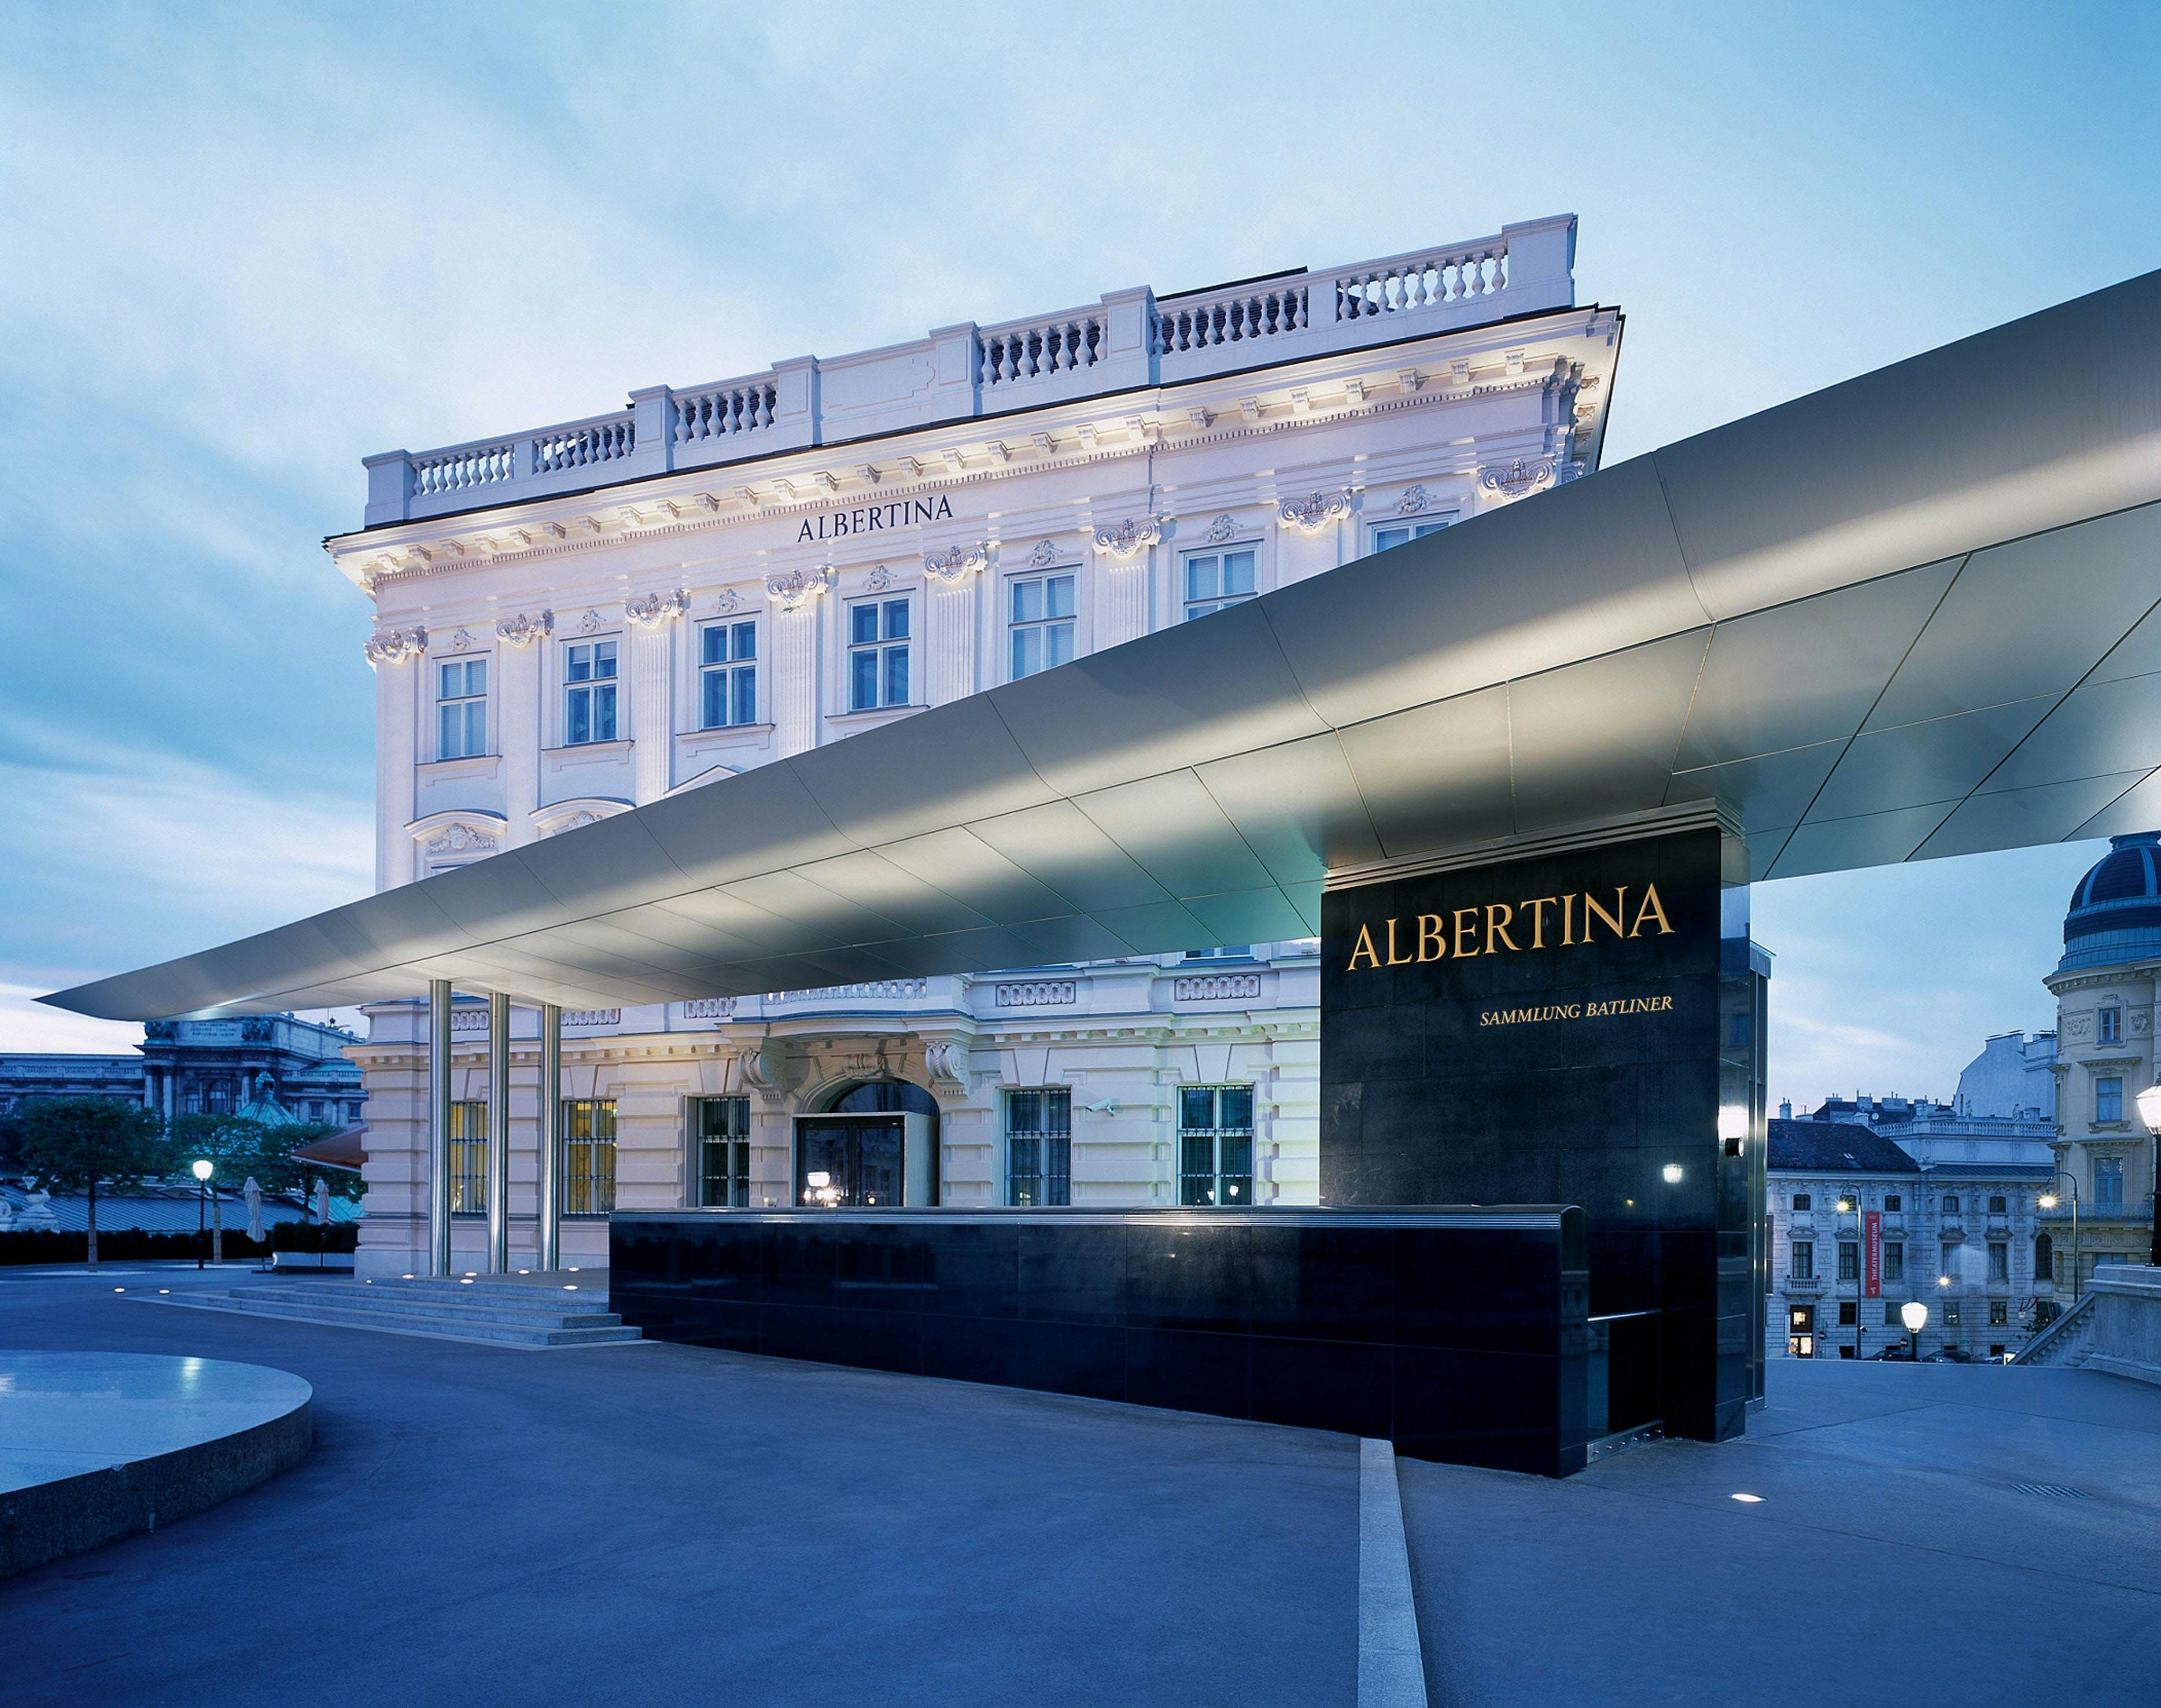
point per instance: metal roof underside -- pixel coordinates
(1910, 616)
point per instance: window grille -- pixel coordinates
(1216, 1145)
(468, 1159)
(722, 1128)
(588, 1156)
(1039, 1147)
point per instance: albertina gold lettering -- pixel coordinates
(1651, 909)
(1365, 947)
(1431, 928)
(1499, 927)
(1612, 919)
(1462, 914)
(1538, 908)
(1394, 959)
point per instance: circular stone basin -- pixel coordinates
(96, 1446)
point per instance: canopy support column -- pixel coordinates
(498, 1132)
(549, 1225)
(439, 1126)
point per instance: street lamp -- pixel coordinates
(2149, 1116)
(1915, 1317)
(201, 1170)
(2048, 1201)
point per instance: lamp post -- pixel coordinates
(1915, 1315)
(2048, 1201)
(200, 1168)
(2149, 1117)
(1851, 1206)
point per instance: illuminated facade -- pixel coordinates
(574, 621)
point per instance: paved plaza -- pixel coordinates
(645, 1522)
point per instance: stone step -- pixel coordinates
(439, 1325)
(573, 1310)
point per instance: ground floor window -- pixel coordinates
(1216, 1145)
(721, 1130)
(1894, 1261)
(1950, 1312)
(1892, 1319)
(588, 1156)
(468, 1159)
(1999, 1313)
(1848, 1313)
(1039, 1147)
(1801, 1331)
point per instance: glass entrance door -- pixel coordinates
(856, 1163)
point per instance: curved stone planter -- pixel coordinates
(98, 1446)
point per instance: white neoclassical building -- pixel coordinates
(575, 619)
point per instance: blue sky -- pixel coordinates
(241, 247)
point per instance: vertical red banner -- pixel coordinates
(1871, 1252)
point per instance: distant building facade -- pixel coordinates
(1941, 1208)
(206, 1067)
(2104, 988)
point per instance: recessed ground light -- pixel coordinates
(165, 1290)
(467, 1281)
(469, 1273)
(569, 1287)
(1750, 1500)
(405, 1278)
(120, 1289)
(574, 1269)
(525, 1272)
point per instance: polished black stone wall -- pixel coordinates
(1504, 1076)
(1458, 1335)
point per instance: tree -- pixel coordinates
(75, 1144)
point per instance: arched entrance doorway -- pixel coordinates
(872, 1146)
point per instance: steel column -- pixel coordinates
(549, 1225)
(439, 1126)
(498, 1132)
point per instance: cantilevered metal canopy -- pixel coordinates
(1910, 616)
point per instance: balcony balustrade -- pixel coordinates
(1127, 340)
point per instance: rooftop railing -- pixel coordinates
(1128, 339)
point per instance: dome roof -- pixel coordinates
(2116, 908)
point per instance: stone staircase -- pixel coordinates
(540, 1314)
(2065, 1342)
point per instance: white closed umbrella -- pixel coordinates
(322, 1202)
(253, 1194)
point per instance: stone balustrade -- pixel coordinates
(1128, 339)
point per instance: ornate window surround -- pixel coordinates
(559, 816)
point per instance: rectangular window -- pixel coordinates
(1040, 1148)
(877, 654)
(468, 1159)
(2108, 1182)
(727, 674)
(461, 708)
(1997, 1206)
(2045, 1258)
(1040, 623)
(1803, 1201)
(588, 692)
(1804, 1260)
(1216, 579)
(1216, 1145)
(1950, 1205)
(721, 1127)
(2111, 1023)
(2108, 1098)
(1894, 1260)
(1950, 1312)
(1403, 533)
(588, 1156)
(1893, 1203)
(1849, 1260)
(1999, 1313)
(1849, 1313)
(1892, 1319)
(1999, 1260)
